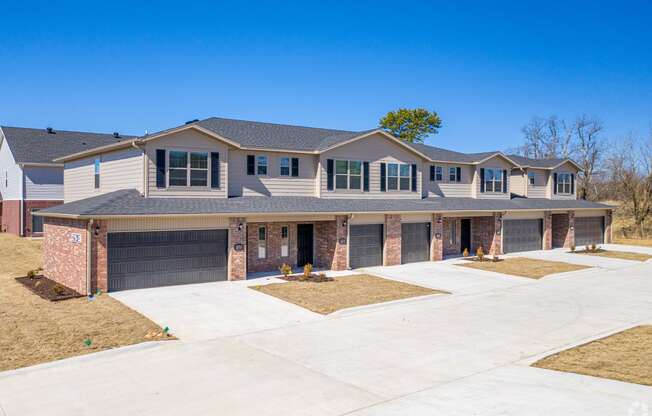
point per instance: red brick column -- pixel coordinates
(237, 269)
(392, 246)
(547, 230)
(570, 237)
(497, 241)
(99, 264)
(341, 243)
(436, 240)
(608, 229)
(64, 252)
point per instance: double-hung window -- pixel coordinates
(285, 246)
(452, 174)
(262, 242)
(398, 177)
(348, 174)
(439, 173)
(453, 232)
(188, 168)
(493, 180)
(564, 183)
(530, 178)
(261, 165)
(284, 164)
(97, 173)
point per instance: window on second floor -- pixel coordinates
(348, 174)
(564, 183)
(439, 173)
(261, 165)
(6, 179)
(188, 168)
(96, 165)
(284, 164)
(398, 177)
(531, 178)
(493, 180)
(452, 174)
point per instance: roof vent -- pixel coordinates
(192, 121)
(50, 130)
(116, 134)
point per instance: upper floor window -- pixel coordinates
(284, 164)
(188, 168)
(564, 183)
(6, 179)
(97, 172)
(398, 177)
(493, 180)
(452, 174)
(261, 165)
(530, 178)
(348, 174)
(439, 173)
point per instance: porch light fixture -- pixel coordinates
(240, 225)
(344, 223)
(97, 229)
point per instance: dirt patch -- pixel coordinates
(316, 278)
(623, 255)
(343, 292)
(624, 356)
(47, 289)
(35, 330)
(524, 267)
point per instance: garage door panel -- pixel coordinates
(415, 242)
(522, 235)
(589, 230)
(163, 258)
(365, 245)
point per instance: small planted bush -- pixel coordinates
(60, 290)
(572, 248)
(594, 248)
(465, 253)
(31, 274)
(307, 271)
(285, 269)
(480, 253)
(495, 258)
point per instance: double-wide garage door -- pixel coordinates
(365, 245)
(522, 235)
(163, 258)
(589, 230)
(415, 242)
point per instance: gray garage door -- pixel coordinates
(365, 245)
(589, 230)
(522, 235)
(415, 242)
(164, 258)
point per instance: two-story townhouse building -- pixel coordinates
(29, 178)
(218, 199)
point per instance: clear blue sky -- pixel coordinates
(486, 68)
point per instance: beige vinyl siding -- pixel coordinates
(375, 149)
(42, 183)
(527, 215)
(565, 168)
(188, 140)
(166, 223)
(290, 218)
(591, 213)
(272, 184)
(445, 187)
(518, 182)
(122, 169)
(540, 187)
(416, 217)
(358, 219)
(495, 162)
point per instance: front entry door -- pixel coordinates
(465, 237)
(304, 244)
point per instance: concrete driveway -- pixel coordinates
(462, 354)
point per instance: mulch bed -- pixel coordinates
(487, 259)
(48, 289)
(314, 278)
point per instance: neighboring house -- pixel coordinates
(29, 179)
(217, 199)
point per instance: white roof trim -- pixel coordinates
(497, 154)
(379, 131)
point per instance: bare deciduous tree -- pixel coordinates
(587, 148)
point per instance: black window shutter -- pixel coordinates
(329, 173)
(160, 168)
(504, 181)
(383, 184)
(572, 183)
(459, 174)
(481, 179)
(251, 165)
(295, 166)
(432, 173)
(365, 172)
(215, 170)
(554, 183)
(414, 178)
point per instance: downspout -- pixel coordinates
(21, 206)
(89, 257)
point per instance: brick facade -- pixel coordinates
(326, 245)
(29, 205)
(562, 234)
(10, 217)
(340, 254)
(392, 246)
(99, 265)
(237, 262)
(497, 240)
(482, 234)
(64, 252)
(452, 246)
(608, 233)
(547, 230)
(436, 242)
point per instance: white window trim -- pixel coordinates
(561, 184)
(280, 166)
(348, 175)
(188, 168)
(452, 172)
(398, 178)
(500, 182)
(258, 165)
(439, 176)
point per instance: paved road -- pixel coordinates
(463, 354)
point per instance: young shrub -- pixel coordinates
(594, 248)
(572, 248)
(480, 253)
(495, 258)
(307, 271)
(285, 269)
(31, 274)
(321, 277)
(60, 290)
(587, 249)
(465, 253)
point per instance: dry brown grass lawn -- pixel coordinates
(634, 242)
(524, 267)
(624, 356)
(623, 255)
(34, 330)
(343, 292)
